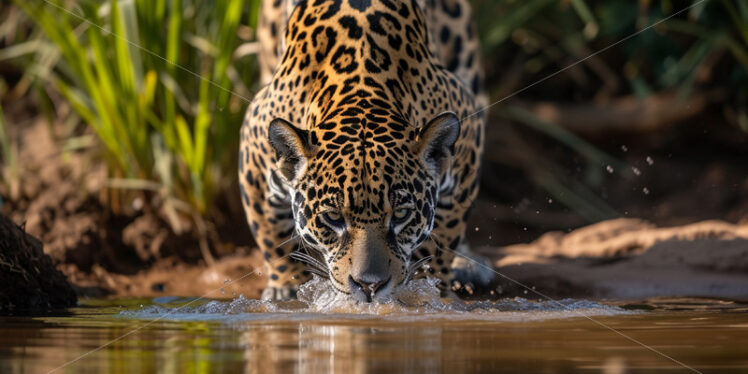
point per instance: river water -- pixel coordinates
(415, 333)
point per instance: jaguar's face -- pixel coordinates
(362, 206)
(365, 222)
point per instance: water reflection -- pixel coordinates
(314, 348)
(709, 340)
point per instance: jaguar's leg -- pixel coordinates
(270, 219)
(471, 270)
(453, 263)
(442, 244)
(440, 264)
(284, 274)
(451, 260)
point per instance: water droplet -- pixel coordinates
(525, 292)
(537, 212)
(650, 161)
(524, 228)
(469, 289)
(624, 148)
(609, 169)
(645, 190)
(636, 170)
(227, 281)
(223, 292)
(550, 201)
(259, 273)
(137, 204)
(477, 228)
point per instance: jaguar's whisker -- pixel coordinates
(313, 265)
(322, 274)
(414, 267)
(304, 257)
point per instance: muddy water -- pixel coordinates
(414, 332)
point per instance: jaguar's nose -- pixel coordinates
(367, 286)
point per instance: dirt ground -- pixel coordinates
(630, 259)
(61, 199)
(658, 245)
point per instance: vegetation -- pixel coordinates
(160, 84)
(9, 172)
(699, 52)
(538, 37)
(163, 84)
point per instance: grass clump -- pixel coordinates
(159, 84)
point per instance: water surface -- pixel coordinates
(508, 336)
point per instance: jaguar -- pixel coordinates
(360, 157)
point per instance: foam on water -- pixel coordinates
(419, 299)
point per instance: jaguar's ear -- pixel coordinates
(291, 147)
(437, 140)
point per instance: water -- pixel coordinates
(420, 334)
(418, 301)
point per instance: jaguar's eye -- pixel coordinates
(400, 215)
(334, 218)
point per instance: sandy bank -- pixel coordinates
(631, 259)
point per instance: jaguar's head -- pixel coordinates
(364, 192)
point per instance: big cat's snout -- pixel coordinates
(372, 268)
(367, 287)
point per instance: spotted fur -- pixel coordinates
(368, 116)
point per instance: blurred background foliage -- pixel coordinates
(649, 81)
(159, 87)
(537, 37)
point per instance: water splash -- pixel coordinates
(419, 295)
(418, 300)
